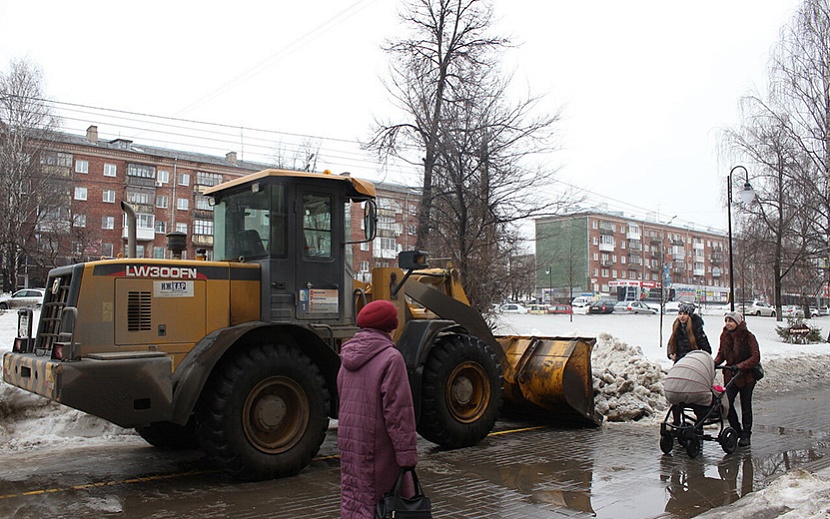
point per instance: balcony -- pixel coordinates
(635, 261)
(635, 245)
(606, 263)
(606, 228)
(633, 234)
(202, 240)
(606, 247)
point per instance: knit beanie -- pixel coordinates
(380, 315)
(735, 316)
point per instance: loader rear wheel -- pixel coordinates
(461, 392)
(263, 413)
(170, 436)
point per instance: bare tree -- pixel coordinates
(28, 178)
(476, 146)
(786, 134)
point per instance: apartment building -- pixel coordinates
(628, 257)
(165, 187)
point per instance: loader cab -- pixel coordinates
(296, 226)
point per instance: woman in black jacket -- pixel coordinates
(687, 333)
(739, 349)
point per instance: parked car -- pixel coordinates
(760, 308)
(560, 309)
(537, 309)
(601, 307)
(580, 306)
(621, 307)
(639, 307)
(512, 308)
(24, 298)
(819, 312)
(792, 311)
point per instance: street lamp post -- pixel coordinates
(747, 196)
(663, 277)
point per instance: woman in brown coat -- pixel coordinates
(739, 349)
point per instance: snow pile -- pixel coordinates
(627, 386)
(27, 420)
(796, 494)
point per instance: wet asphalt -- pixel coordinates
(522, 470)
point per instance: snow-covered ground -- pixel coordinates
(629, 363)
(629, 360)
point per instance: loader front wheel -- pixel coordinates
(461, 392)
(263, 414)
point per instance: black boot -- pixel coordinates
(744, 440)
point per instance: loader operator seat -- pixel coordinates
(250, 244)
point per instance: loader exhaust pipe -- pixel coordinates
(131, 225)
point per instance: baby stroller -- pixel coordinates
(695, 403)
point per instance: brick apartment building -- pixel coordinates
(165, 187)
(628, 258)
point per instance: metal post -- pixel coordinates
(729, 217)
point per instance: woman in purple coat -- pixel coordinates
(376, 423)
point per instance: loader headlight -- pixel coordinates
(24, 323)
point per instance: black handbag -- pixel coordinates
(393, 505)
(758, 372)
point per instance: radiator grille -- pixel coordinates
(57, 294)
(139, 315)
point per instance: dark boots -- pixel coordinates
(744, 440)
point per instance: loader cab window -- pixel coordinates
(251, 224)
(317, 219)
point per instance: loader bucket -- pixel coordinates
(551, 373)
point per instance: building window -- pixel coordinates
(161, 201)
(108, 222)
(79, 220)
(53, 158)
(596, 272)
(613, 273)
(80, 193)
(208, 179)
(139, 251)
(184, 179)
(106, 250)
(141, 170)
(413, 229)
(181, 227)
(109, 196)
(594, 224)
(596, 256)
(110, 170)
(158, 252)
(364, 246)
(163, 176)
(203, 203)
(203, 227)
(596, 241)
(161, 227)
(605, 273)
(81, 166)
(182, 204)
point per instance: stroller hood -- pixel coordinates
(690, 380)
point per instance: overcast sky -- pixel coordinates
(645, 87)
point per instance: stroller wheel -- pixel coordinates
(694, 446)
(666, 443)
(728, 439)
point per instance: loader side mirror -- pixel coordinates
(370, 220)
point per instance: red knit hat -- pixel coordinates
(380, 315)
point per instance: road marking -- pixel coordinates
(101, 484)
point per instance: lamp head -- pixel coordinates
(747, 193)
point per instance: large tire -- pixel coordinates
(461, 394)
(263, 413)
(170, 436)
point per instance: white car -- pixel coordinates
(760, 308)
(512, 308)
(24, 298)
(639, 307)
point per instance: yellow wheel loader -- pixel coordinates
(239, 356)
